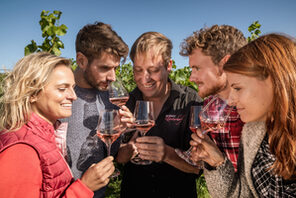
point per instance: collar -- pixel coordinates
(41, 127)
(253, 134)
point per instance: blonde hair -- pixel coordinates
(274, 55)
(28, 78)
(152, 40)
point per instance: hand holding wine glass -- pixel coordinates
(118, 95)
(144, 121)
(109, 129)
(205, 149)
(194, 125)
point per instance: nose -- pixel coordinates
(192, 77)
(146, 76)
(111, 75)
(72, 95)
(231, 101)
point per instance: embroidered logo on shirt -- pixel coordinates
(176, 119)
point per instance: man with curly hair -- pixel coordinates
(208, 50)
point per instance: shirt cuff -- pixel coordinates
(79, 188)
(210, 168)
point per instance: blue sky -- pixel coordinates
(19, 20)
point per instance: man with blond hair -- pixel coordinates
(168, 175)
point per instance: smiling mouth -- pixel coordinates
(148, 85)
(66, 105)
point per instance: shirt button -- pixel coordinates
(47, 188)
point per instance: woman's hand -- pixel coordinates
(205, 149)
(97, 175)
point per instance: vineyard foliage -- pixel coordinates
(51, 31)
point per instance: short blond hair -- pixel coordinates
(28, 78)
(152, 41)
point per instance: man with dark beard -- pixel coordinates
(208, 50)
(99, 51)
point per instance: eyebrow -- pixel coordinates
(109, 66)
(64, 84)
(234, 84)
(149, 66)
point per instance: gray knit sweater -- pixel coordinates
(224, 182)
(83, 146)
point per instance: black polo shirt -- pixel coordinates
(172, 125)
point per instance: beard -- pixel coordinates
(212, 91)
(90, 79)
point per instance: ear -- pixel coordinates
(81, 60)
(222, 62)
(33, 98)
(170, 65)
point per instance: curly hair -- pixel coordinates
(216, 42)
(93, 39)
(274, 55)
(152, 40)
(28, 78)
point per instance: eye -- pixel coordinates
(105, 68)
(196, 68)
(137, 70)
(62, 89)
(153, 70)
(237, 88)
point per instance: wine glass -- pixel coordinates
(194, 125)
(118, 95)
(144, 121)
(109, 129)
(214, 115)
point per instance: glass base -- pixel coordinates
(185, 155)
(115, 174)
(137, 160)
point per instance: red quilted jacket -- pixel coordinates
(39, 134)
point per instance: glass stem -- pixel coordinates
(142, 133)
(108, 149)
(188, 152)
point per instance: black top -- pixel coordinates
(161, 179)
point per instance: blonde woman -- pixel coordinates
(262, 76)
(37, 93)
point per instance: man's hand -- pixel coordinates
(127, 150)
(127, 117)
(151, 148)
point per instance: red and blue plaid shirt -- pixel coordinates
(228, 138)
